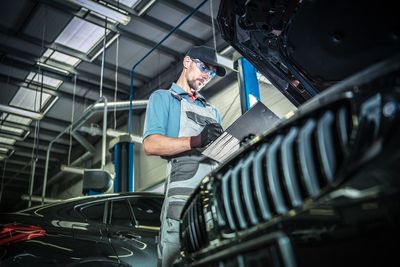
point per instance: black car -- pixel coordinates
(104, 230)
(321, 188)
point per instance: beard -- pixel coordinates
(196, 84)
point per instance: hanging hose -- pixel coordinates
(116, 83)
(103, 59)
(72, 121)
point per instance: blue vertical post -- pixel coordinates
(248, 84)
(131, 169)
(117, 168)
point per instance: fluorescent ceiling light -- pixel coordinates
(38, 78)
(81, 35)
(107, 11)
(11, 129)
(61, 57)
(29, 99)
(16, 119)
(107, 45)
(7, 141)
(57, 69)
(3, 150)
(2, 157)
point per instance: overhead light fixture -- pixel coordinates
(147, 6)
(102, 48)
(114, 14)
(47, 66)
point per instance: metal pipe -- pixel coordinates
(77, 162)
(21, 112)
(70, 169)
(116, 133)
(104, 139)
(123, 105)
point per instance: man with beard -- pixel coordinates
(180, 122)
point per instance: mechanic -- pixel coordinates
(179, 123)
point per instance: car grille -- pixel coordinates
(278, 174)
(285, 170)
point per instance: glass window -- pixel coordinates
(120, 214)
(81, 35)
(7, 141)
(146, 210)
(11, 129)
(61, 57)
(39, 78)
(29, 99)
(94, 212)
(15, 119)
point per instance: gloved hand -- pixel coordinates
(210, 132)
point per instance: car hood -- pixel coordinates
(304, 47)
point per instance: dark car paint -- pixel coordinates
(346, 58)
(73, 240)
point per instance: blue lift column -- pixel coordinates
(248, 84)
(122, 149)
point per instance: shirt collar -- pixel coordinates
(179, 90)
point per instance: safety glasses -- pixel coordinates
(203, 68)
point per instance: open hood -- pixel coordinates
(303, 47)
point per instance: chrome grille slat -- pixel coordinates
(225, 195)
(307, 163)
(248, 197)
(236, 195)
(259, 182)
(325, 145)
(289, 172)
(273, 176)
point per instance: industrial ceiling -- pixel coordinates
(51, 69)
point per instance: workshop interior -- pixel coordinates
(307, 169)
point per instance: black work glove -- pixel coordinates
(210, 132)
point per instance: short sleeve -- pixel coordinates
(156, 114)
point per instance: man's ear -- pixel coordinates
(186, 62)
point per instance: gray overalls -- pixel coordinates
(184, 173)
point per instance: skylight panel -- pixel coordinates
(7, 141)
(16, 119)
(11, 129)
(81, 35)
(128, 3)
(49, 81)
(29, 99)
(61, 57)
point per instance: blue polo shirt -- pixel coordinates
(163, 112)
